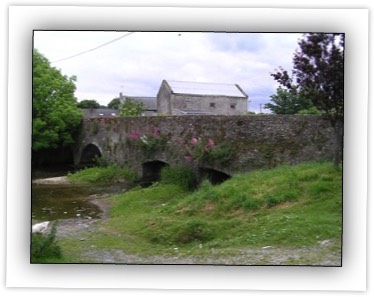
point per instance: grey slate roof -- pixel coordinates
(200, 88)
(150, 103)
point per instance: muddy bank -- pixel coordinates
(59, 180)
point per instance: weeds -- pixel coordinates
(45, 248)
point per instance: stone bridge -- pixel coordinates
(215, 146)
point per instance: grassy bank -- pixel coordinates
(286, 207)
(103, 175)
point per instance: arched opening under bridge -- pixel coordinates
(90, 154)
(152, 171)
(214, 176)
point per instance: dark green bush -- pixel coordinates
(182, 176)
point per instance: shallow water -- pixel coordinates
(53, 202)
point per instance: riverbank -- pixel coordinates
(284, 216)
(59, 180)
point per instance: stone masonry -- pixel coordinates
(229, 144)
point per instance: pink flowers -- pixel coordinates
(194, 141)
(155, 132)
(188, 158)
(134, 135)
(196, 148)
(210, 144)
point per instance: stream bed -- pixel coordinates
(66, 201)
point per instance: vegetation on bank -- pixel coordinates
(288, 206)
(45, 248)
(103, 175)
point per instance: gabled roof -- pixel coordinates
(201, 88)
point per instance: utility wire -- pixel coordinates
(95, 48)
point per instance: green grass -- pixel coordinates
(45, 248)
(103, 175)
(288, 206)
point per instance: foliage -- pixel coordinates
(206, 151)
(131, 108)
(88, 103)
(55, 116)
(45, 247)
(114, 103)
(285, 102)
(103, 175)
(311, 110)
(182, 176)
(318, 68)
(149, 142)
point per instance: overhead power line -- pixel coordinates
(95, 48)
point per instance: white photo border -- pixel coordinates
(352, 22)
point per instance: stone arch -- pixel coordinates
(90, 153)
(214, 176)
(151, 171)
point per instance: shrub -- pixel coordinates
(45, 247)
(131, 108)
(182, 176)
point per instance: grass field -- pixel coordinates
(289, 208)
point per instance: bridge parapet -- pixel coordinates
(229, 144)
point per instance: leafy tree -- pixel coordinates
(131, 108)
(55, 115)
(115, 103)
(87, 103)
(318, 68)
(286, 102)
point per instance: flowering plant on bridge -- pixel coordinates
(206, 151)
(148, 142)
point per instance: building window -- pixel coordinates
(212, 104)
(233, 105)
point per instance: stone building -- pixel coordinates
(150, 103)
(99, 112)
(183, 98)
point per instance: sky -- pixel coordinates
(135, 63)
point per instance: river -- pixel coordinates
(66, 201)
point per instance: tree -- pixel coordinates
(286, 102)
(87, 103)
(55, 115)
(131, 108)
(318, 68)
(115, 103)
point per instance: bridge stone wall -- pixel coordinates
(229, 144)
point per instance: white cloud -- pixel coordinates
(137, 63)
